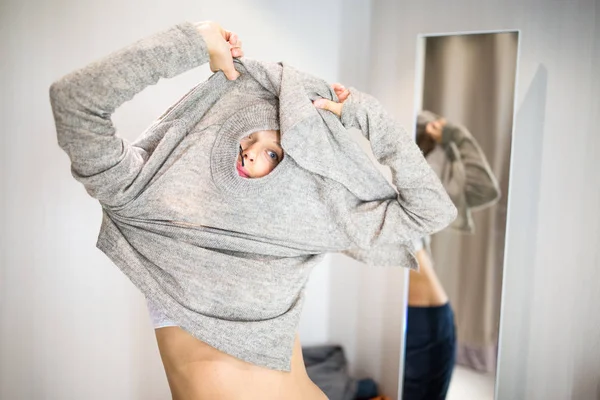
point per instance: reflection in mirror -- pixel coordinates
(465, 97)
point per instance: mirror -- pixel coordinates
(465, 112)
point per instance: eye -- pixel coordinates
(273, 156)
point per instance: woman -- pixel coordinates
(219, 211)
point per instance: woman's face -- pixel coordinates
(261, 152)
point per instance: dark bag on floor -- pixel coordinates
(327, 368)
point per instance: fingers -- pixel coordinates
(233, 40)
(329, 105)
(235, 53)
(341, 92)
(342, 96)
(235, 44)
(235, 50)
(228, 35)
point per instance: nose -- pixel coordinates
(249, 153)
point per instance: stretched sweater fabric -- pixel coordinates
(226, 257)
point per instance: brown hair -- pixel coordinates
(425, 142)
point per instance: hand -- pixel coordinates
(341, 92)
(435, 128)
(223, 46)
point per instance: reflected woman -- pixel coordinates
(460, 163)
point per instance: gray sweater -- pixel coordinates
(464, 171)
(225, 257)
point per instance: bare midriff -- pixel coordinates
(424, 288)
(197, 371)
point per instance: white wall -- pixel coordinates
(71, 325)
(550, 332)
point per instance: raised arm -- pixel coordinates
(480, 185)
(422, 206)
(84, 100)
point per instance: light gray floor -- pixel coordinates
(467, 384)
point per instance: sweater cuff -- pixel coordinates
(349, 110)
(197, 50)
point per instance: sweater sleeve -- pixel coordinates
(421, 206)
(83, 101)
(480, 185)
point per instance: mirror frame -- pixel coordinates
(417, 101)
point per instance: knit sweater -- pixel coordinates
(464, 171)
(226, 257)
